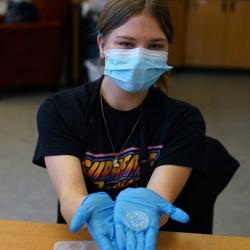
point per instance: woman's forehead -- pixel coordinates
(139, 27)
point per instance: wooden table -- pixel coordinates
(20, 235)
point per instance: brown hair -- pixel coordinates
(118, 12)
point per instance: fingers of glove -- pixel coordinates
(140, 237)
(79, 219)
(104, 242)
(151, 238)
(130, 240)
(110, 231)
(175, 213)
(181, 216)
(113, 243)
(120, 236)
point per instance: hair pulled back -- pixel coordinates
(118, 12)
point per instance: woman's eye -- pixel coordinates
(126, 45)
(155, 46)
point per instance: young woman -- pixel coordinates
(118, 150)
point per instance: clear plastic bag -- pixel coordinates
(76, 245)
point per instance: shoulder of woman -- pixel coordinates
(173, 107)
(68, 107)
(72, 98)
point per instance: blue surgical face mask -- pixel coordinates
(135, 70)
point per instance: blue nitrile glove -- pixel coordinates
(137, 215)
(97, 212)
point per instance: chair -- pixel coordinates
(200, 192)
(32, 53)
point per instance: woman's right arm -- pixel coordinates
(67, 178)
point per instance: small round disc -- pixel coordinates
(137, 220)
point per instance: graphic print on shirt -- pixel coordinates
(99, 167)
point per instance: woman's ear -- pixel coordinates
(100, 43)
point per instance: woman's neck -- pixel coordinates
(119, 99)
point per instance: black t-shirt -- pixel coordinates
(70, 122)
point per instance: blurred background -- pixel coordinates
(46, 46)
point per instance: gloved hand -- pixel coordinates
(96, 211)
(137, 215)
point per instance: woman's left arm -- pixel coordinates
(168, 181)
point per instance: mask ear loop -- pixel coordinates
(102, 44)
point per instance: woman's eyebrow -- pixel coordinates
(126, 37)
(151, 40)
(159, 40)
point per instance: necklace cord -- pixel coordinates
(106, 126)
